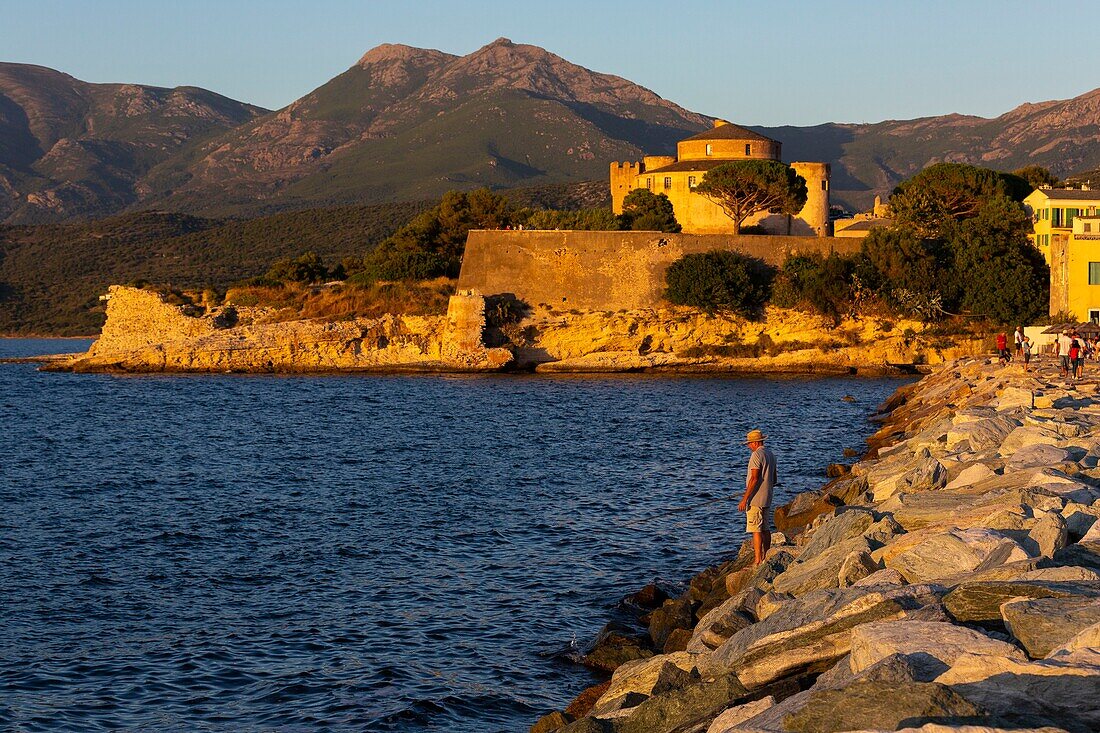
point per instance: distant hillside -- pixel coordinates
(1063, 136)
(70, 148)
(51, 276)
(408, 123)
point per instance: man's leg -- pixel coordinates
(766, 542)
(758, 546)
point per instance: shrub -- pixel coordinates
(815, 283)
(403, 265)
(720, 281)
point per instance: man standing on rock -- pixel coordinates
(757, 504)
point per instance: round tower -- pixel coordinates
(816, 211)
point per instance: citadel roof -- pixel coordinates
(729, 131)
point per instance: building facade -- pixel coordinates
(676, 177)
(1067, 232)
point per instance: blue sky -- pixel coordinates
(768, 63)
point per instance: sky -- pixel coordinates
(758, 63)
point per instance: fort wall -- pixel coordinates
(605, 270)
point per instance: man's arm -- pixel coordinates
(751, 485)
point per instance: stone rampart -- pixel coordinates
(605, 271)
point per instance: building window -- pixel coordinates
(1070, 213)
(1094, 273)
(649, 183)
(748, 149)
(824, 185)
(668, 182)
(1094, 316)
(1087, 227)
(691, 181)
(1056, 217)
(708, 149)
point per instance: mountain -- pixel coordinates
(409, 123)
(406, 124)
(1062, 135)
(70, 148)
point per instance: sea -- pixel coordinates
(361, 552)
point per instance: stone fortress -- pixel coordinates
(676, 177)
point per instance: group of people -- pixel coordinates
(1072, 352)
(1073, 349)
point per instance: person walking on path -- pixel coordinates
(1025, 348)
(759, 483)
(1063, 353)
(1019, 338)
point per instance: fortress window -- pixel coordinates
(649, 183)
(708, 149)
(691, 181)
(824, 185)
(668, 182)
(748, 149)
(1094, 273)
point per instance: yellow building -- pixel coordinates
(676, 177)
(1067, 232)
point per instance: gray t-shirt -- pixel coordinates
(763, 459)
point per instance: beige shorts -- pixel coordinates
(756, 520)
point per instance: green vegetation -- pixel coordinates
(646, 211)
(748, 186)
(720, 281)
(950, 192)
(1036, 176)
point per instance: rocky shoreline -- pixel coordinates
(144, 332)
(948, 581)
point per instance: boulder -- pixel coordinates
(675, 613)
(718, 625)
(1043, 624)
(879, 705)
(677, 641)
(1085, 554)
(1079, 520)
(804, 508)
(1027, 435)
(1087, 638)
(769, 603)
(730, 718)
(813, 631)
(924, 473)
(1037, 455)
(954, 552)
(1011, 398)
(982, 435)
(551, 722)
(820, 571)
(930, 644)
(1063, 691)
(699, 701)
(856, 567)
(1092, 534)
(614, 646)
(970, 475)
(583, 703)
(642, 676)
(1050, 534)
(980, 602)
(842, 526)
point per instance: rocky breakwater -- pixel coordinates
(949, 581)
(144, 333)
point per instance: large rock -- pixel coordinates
(1027, 435)
(1037, 455)
(1043, 624)
(814, 630)
(1049, 534)
(920, 473)
(856, 567)
(888, 576)
(675, 613)
(641, 677)
(970, 475)
(720, 624)
(1085, 554)
(843, 526)
(1087, 638)
(934, 645)
(956, 551)
(878, 706)
(808, 506)
(615, 646)
(698, 702)
(820, 571)
(731, 718)
(980, 602)
(982, 435)
(1061, 691)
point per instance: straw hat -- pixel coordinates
(754, 436)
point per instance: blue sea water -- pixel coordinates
(367, 553)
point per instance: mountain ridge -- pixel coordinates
(405, 123)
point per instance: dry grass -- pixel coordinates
(343, 302)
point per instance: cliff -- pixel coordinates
(948, 581)
(145, 333)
